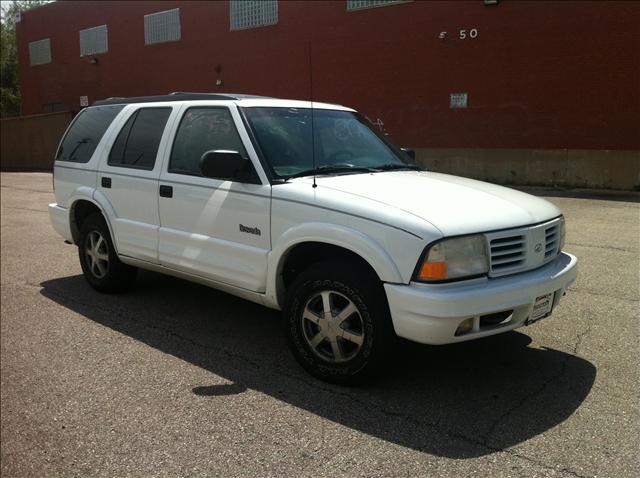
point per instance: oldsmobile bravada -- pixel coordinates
(304, 208)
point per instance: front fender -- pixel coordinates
(355, 241)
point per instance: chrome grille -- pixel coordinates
(508, 252)
(552, 241)
(523, 248)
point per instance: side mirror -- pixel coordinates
(409, 152)
(228, 165)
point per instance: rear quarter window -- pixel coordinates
(85, 133)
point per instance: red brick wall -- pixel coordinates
(539, 74)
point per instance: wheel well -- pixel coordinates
(302, 256)
(79, 212)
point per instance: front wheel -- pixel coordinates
(337, 322)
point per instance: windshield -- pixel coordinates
(342, 139)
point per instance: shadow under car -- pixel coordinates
(459, 401)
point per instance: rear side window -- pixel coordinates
(203, 129)
(86, 132)
(137, 143)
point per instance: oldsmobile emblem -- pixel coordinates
(538, 247)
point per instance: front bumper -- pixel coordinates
(430, 314)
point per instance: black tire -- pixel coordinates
(344, 282)
(110, 275)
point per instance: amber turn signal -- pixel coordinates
(433, 270)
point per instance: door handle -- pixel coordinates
(166, 191)
(106, 182)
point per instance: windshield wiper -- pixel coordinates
(391, 167)
(328, 169)
(78, 144)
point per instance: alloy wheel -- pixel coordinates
(332, 326)
(96, 251)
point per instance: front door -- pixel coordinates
(213, 228)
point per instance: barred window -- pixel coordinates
(362, 4)
(40, 52)
(94, 40)
(162, 27)
(252, 13)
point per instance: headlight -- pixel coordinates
(454, 258)
(562, 234)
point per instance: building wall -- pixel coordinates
(539, 75)
(30, 142)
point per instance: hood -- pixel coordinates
(453, 204)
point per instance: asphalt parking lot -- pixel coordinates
(178, 379)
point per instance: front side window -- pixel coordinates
(341, 139)
(86, 132)
(203, 129)
(137, 143)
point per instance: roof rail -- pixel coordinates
(237, 96)
(175, 96)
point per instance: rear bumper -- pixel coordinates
(59, 217)
(431, 314)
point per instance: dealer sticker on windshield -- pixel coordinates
(541, 308)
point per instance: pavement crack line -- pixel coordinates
(600, 294)
(563, 367)
(125, 318)
(26, 189)
(25, 209)
(601, 247)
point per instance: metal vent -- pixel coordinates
(162, 27)
(552, 241)
(94, 41)
(524, 248)
(252, 13)
(508, 253)
(362, 4)
(40, 52)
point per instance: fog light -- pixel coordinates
(465, 326)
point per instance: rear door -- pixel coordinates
(213, 228)
(128, 179)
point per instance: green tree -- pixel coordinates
(9, 84)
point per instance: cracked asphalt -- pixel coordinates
(177, 379)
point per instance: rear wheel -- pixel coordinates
(337, 322)
(101, 266)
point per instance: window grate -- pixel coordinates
(362, 4)
(94, 41)
(252, 13)
(40, 52)
(162, 27)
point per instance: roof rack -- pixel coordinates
(175, 96)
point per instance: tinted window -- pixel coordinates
(137, 143)
(86, 132)
(202, 130)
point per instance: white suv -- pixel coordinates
(308, 209)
